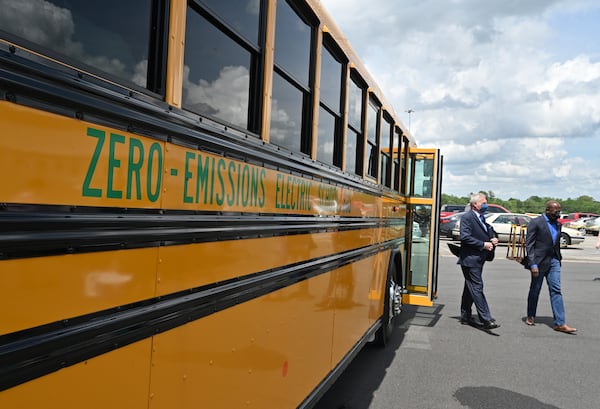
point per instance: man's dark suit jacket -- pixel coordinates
(540, 246)
(472, 237)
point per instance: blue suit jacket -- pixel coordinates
(472, 237)
(540, 246)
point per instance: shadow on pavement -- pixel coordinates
(365, 374)
(489, 397)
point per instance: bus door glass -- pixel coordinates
(422, 239)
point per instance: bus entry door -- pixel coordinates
(422, 236)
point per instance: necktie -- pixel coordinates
(482, 220)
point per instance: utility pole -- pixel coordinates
(409, 111)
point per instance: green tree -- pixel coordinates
(533, 204)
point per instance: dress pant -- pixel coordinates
(556, 300)
(473, 294)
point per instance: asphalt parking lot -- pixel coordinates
(434, 362)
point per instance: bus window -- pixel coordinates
(242, 15)
(386, 149)
(113, 37)
(328, 138)
(286, 114)
(354, 139)
(331, 80)
(217, 74)
(291, 87)
(422, 175)
(373, 139)
(404, 173)
(419, 260)
(397, 154)
(353, 145)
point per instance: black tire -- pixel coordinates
(383, 334)
(565, 240)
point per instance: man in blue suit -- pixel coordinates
(477, 243)
(543, 259)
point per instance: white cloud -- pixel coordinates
(488, 89)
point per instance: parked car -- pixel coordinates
(570, 217)
(447, 210)
(502, 222)
(579, 224)
(496, 208)
(447, 224)
(594, 227)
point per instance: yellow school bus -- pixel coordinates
(203, 203)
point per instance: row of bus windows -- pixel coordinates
(223, 70)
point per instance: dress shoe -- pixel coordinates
(530, 321)
(565, 328)
(491, 324)
(467, 321)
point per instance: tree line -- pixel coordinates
(533, 204)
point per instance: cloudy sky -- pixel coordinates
(508, 90)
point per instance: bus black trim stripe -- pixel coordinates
(42, 234)
(35, 352)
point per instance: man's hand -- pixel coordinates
(535, 271)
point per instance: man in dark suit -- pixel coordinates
(543, 258)
(477, 243)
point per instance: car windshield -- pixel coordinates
(517, 219)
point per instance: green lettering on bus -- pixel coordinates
(187, 175)
(220, 198)
(134, 167)
(277, 190)
(254, 187)
(230, 173)
(113, 163)
(155, 150)
(202, 179)
(212, 180)
(87, 190)
(300, 194)
(245, 185)
(237, 194)
(288, 192)
(261, 201)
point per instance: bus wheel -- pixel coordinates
(391, 308)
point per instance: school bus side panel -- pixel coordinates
(192, 265)
(37, 291)
(358, 302)
(265, 353)
(118, 379)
